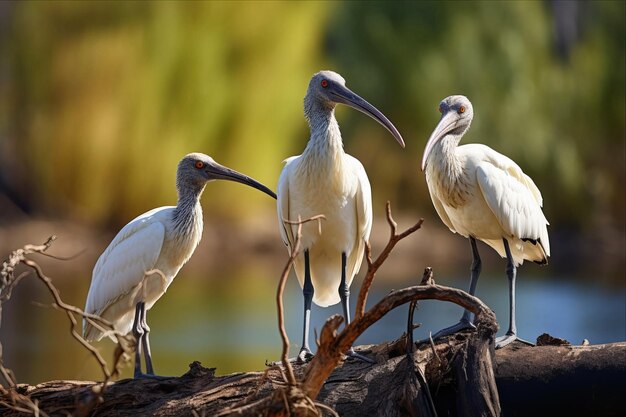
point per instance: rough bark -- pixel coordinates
(537, 381)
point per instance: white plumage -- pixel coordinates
(324, 180)
(481, 194)
(141, 262)
(119, 278)
(494, 200)
(342, 193)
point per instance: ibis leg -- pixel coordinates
(307, 291)
(146, 341)
(344, 295)
(466, 318)
(511, 273)
(138, 333)
(475, 273)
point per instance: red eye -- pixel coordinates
(199, 164)
(440, 109)
(324, 83)
(461, 109)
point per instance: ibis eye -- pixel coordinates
(324, 83)
(199, 164)
(440, 109)
(461, 109)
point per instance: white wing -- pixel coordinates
(363, 200)
(514, 199)
(121, 267)
(282, 197)
(441, 211)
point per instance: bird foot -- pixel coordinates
(463, 324)
(351, 354)
(141, 375)
(303, 357)
(508, 338)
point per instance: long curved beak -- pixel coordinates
(220, 172)
(446, 124)
(344, 95)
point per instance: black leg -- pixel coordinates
(466, 318)
(307, 291)
(344, 295)
(138, 333)
(146, 341)
(141, 330)
(475, 273)
(511, 273)
(344, 290)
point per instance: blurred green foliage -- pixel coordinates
(562, 119)
(100, 100)
(106, 97)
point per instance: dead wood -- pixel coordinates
(537, 381)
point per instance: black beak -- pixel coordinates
(342, 94)
(220, 172)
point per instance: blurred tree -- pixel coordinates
(562, 120)
(103, 98)
(98, 100)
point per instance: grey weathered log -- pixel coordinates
(537, 381)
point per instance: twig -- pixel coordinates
(373, 266)
(285, 402)
(291, 379)
(432, 346)
(327, 408)
(8, 283)
(69, 309)
(290, 394)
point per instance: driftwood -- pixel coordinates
(532, 381)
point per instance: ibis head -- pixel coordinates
(456, 117)
(196, 169)
(327, 89)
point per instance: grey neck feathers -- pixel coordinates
(325, 135)
(445, 160)
(188, 212)
(446, 170)
(446, 156)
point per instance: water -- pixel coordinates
(230, 323)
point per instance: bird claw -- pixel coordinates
(304, 356)
(508, 338)
(351, 354)
(141, 375)
(463, 324)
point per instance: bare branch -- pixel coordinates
(372, 267)
(291, 379)
(69, 309)
(8, 283)
(333, 346)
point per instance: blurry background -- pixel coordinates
(100, 100)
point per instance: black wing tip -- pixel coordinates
(531, 240)
(543, 261)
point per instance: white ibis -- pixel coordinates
(125, 284)
(325, 180)
(481, 194)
